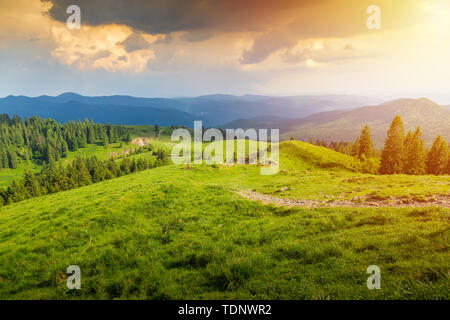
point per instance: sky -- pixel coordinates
(173, 48)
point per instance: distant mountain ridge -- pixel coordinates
(213, 110)
(64, 111)
(328, 117)
(346, 125)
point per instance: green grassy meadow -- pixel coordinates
(7, 176)
(179, 232)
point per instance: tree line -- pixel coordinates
(45, 140)
(408, 155)
(80, 172)
(402, 154)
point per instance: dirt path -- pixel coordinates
(399, 202)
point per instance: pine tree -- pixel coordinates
(392, 155)
(4, 159)
(64, 149)
(414, 153)
(82, 141)
(113, 167)
(355, 148)
(49, 154)
(407, 148)
(365, 144)
(90, 133)
(31, 185)
(12, 159)
(105, 140)
(437, 157)
(16, 192)
(74, 144)
(125, 166)
(448, 161)
(3, 197)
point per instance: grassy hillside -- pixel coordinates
(174, 232)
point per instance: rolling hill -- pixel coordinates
(346, 125)
(174, 233)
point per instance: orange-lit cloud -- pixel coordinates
(103, 47)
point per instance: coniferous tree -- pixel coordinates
(16, 192)
(90, 134)
(49, 153)
(105, 140)
(355, 148)
(392, 155)
(437, 157)
(31, 185)
(82, 141)
(38, 139)
(125, 166)
(12, 159)
(4, 159)
(365, 144)
(448, 161)
(3, 197)
(114, 168)
(414, 153)
(407, 147)
(74, 144)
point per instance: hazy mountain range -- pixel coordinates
(329, 117)
(213, 110)
(346, 125)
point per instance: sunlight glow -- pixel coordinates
(438, 13)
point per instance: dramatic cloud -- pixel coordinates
(273, 25)
(166, 16)
(336, 19)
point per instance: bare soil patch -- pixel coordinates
(363, 202)
(141, 141)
